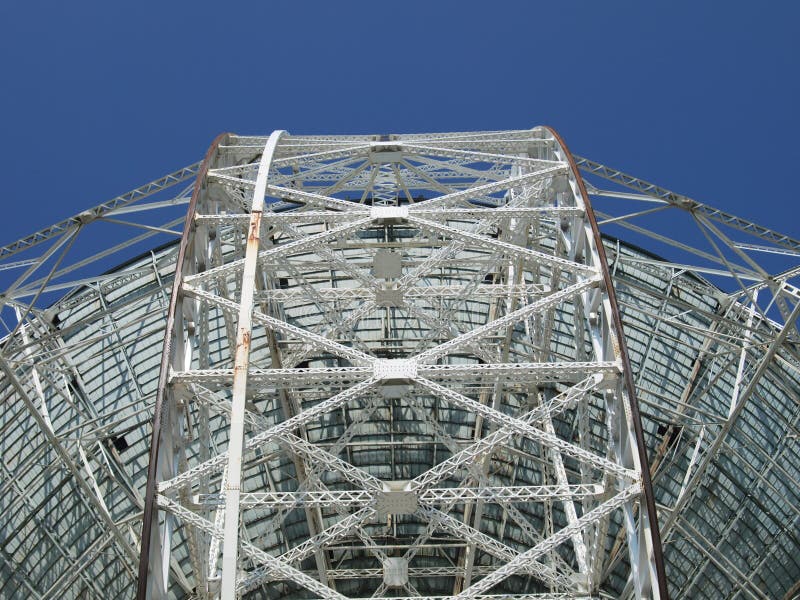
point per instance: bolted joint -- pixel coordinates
(388, 215)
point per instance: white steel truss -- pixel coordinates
(440, 274)
(402, 366)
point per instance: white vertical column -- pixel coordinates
(241, 362)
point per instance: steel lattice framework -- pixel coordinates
(404, 366)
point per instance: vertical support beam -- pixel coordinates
(241, 362)
(650, 555)
(151, 582)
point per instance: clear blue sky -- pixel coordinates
(97, 98)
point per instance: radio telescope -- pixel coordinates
(466, 365)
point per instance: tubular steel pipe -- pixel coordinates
(166, 356)
(647, 483)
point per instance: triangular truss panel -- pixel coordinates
(396, 369)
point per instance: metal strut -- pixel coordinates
(230, 550)
(636, 417)
(152, 585)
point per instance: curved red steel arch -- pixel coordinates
(647, 483)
